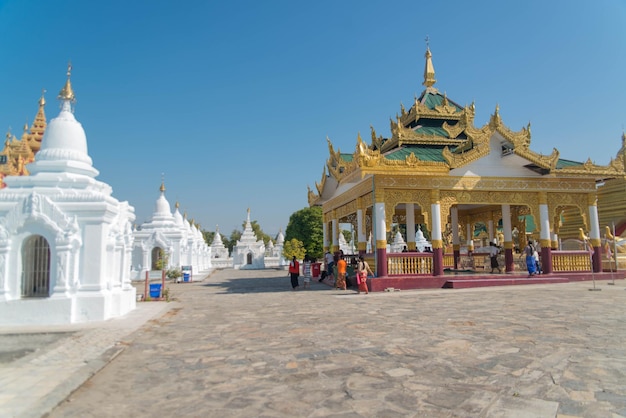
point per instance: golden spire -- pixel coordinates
(429, 69)
(162, 188)
(66, 92)
(177, 205)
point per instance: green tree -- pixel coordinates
(232, 240)
(208, 236)
(305, 225)
(294, 247)
(347, 235)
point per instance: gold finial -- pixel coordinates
(42, 100)
(26, 127)
(429, 69)
(162, 188)
(66, 92)
(177, 205)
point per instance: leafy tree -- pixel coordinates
(208, 237)
(232, 241)
(305, 225)
(162, 260)
(294, 247)
(347, 235)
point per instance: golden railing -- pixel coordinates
(448, 261)
(570, 261)
(409, 264)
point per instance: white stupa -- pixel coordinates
(169, 236)
(249, 252)
(218, 250)
(160, 237)
(421, 243)
(65, 241)
(398, 244)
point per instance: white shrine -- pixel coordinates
(398, 245)
(168, 241)
(249, 253)
(65, 241)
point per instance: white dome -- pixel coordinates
(64, 147)
(162, 206)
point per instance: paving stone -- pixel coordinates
(241, 343)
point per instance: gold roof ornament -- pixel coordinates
(177, 205)
(67, 93)
(162, 188)
(429, 69)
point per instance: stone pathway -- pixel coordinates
(242, 344)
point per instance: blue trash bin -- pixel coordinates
(185, 277)
(155, 290)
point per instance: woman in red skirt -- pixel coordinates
(361, 278)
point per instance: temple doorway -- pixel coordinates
(36, 267)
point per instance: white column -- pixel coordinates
(410, 225)
(594, 225)
(506, 223)
(360, 227)
(381, 227)
(335, 237)
(544, 222)
(435, 233)
(454, 212)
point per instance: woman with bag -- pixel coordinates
(361, 278)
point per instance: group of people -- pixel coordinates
(340, 277)
(530, 252)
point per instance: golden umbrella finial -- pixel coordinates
(67, 93)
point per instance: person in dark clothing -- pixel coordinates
(294, 272)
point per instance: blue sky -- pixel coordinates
(233, 101)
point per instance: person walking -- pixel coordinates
(294, 272)
(342, 268)
(361, 278)
(493, 255)
(529, 250)
(330, 263)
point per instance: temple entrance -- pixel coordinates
(157, 258)
(35, 267)
(249, 258)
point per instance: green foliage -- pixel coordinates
(294, 247)
(208, 237)
(174, 273)
(232, 240)
(347, 235)
(305, 226)
(161, 262)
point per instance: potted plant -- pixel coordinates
(174, 274)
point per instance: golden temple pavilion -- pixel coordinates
(441, 173)
(19, 152)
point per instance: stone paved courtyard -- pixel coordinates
(242, 344)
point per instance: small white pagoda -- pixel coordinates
(249, 253)
(65, 241)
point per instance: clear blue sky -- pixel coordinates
(233, 100)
